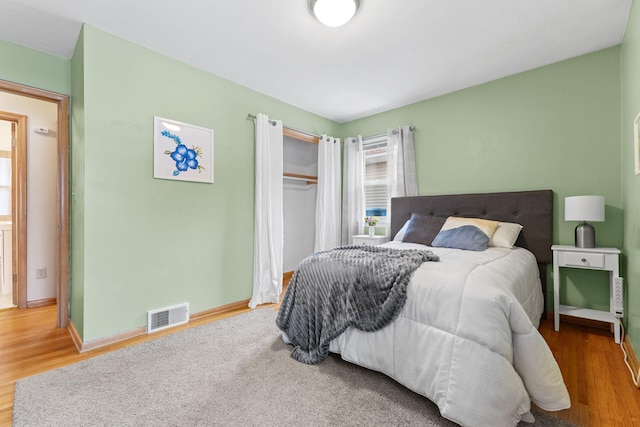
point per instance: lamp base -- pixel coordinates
(585, 236)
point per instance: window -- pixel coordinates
(375, 177)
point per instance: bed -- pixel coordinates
(466, 337)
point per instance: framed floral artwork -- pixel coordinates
(181, 151)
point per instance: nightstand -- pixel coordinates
(605, 259)
(365, 239)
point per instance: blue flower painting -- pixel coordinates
(181, 151)
(185, 158)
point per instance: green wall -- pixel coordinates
(32, 68)
(555, 127)
(149, 243)
(631, 183)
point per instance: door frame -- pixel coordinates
(62, 181)
(18, 205)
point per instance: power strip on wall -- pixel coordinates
(618, 297)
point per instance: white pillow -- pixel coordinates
(400, 234)
(506, 235)
(487, 226)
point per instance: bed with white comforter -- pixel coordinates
(467, 338)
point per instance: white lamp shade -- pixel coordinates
(334, 13)
(584, 208)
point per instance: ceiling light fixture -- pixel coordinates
(334, 13)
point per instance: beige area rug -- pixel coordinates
(232, 372)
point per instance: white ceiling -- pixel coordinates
(393, 53)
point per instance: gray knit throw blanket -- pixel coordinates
(360, 286)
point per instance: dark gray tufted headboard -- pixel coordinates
(531, 209)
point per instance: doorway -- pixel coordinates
(62, 206)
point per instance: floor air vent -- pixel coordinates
(167, 317)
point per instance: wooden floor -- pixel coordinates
(600, 385)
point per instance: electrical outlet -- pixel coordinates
(41, 273)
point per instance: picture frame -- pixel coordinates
(182, 151)
(636, 143)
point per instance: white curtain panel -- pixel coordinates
(268, 240)
(328, 233)
(401, 166)
(352, 190)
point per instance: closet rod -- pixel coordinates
(384, 134)
(273, 122)
(297, 177)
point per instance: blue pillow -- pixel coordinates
(466, 237)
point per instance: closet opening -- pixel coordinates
(300, 171)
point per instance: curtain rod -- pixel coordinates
(412, 127)
(273, 122)
(253, 117)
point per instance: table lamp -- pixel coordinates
(584, 208)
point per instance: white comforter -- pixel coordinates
(467, 338)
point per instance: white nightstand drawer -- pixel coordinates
(363, 239)
(582, 259)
